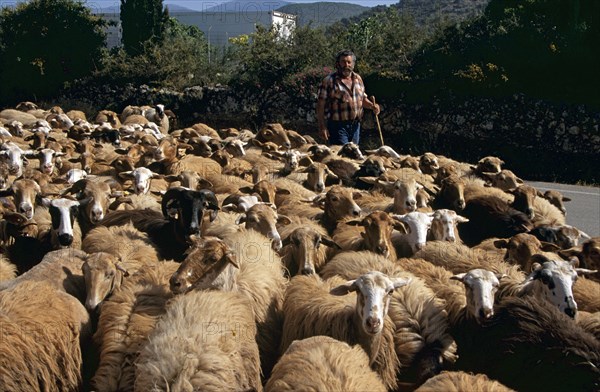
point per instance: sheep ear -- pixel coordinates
(585, 271)
(355, 223)
(126, 174)
(246, 189)
(229, 208)
(461, 219)
(283, 220)
(459, 277)
(566, 198)
(123, 270)
(329, 242)
(204, 184)
(549, 247)
(240, 219)
(501, 244)
(399, 282)
(539, 259)
(344, 288)
(401, 226)
(369, 180)
(46, 202)
(305, 161)
(231, 259)
(281, 191)
(568, 253)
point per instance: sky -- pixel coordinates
(244, 4)
(233, 5)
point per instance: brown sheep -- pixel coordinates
(40, 342)
(126, 320)
(204, 341)
(326, 364)
(460, 382)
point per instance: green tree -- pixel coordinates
(45, 43)
(178, 60)
(142, 20)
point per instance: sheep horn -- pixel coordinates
(172, 195)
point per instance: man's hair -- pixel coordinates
(345, 53)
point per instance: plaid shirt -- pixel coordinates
(342, 103)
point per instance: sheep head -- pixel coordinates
(208, 264)
(374, 290)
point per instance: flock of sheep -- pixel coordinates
(139, 256)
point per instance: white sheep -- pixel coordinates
(310, 309)
(421, 338)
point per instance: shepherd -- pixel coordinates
(341, 100)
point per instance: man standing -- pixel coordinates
(341, 100)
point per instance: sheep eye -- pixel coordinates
(545, 279)
(335, 198)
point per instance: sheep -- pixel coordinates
(558, 354)
(274, 132)
(586, 292)
(20, 241)
(302, 252)
(41, 333)
(61, 269)
(57, 224)
(505, 180)
(314, 177)
(8, 270)
(588, 254)
(421, 340)
(141, 177)
(372, 233)
(491, 217)
(384, 151)
(94, 198)
(25, 193)
(556, 199)
(443, 225)
(552, 279)
(157, 116)
(321, 363)
(221, 355)
(130, 250)
(564, 236)
(521, 247)
(451, 194)
(405, 200)
(263, 219)
(458, 258)
(15, 157)
(128, 316)
(338, 204)
(183, 212)
(310, 309)
(241, 262)
(414, 236)
(429, 163)
(461, 381)
(477, 303)
(589, 322)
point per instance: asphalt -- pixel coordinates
(583, 211)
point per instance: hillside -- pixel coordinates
(322, 13)
(427, 11)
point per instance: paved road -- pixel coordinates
(583, 211)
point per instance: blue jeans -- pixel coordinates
(342, 132)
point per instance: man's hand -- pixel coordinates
(324, 133)
(376, 109)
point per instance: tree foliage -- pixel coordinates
(142, 20)
(544, 48)
(179, 60)
(45, 43)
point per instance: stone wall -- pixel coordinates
(538, 140)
